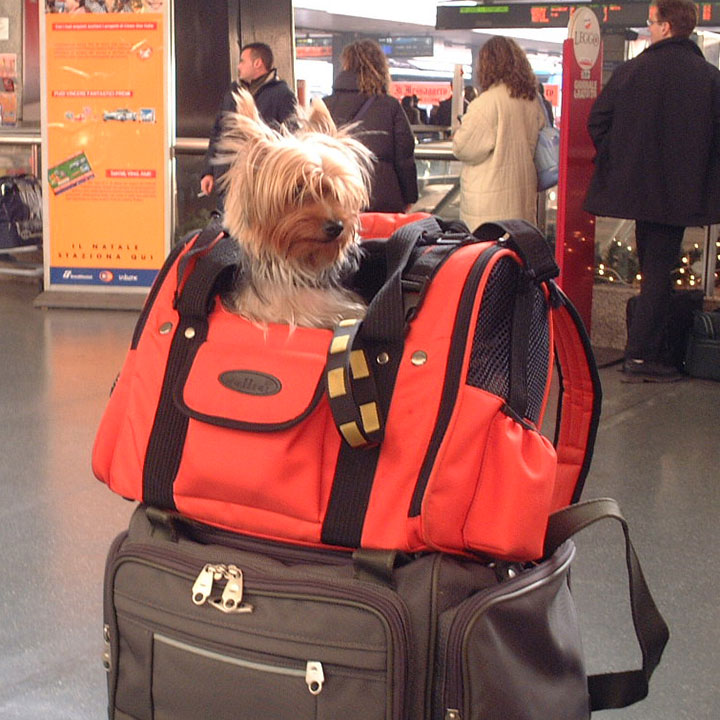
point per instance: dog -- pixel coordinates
(293, 202)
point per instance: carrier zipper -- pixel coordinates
(313, 672)
(454, 703)
(392, 614)
(451, 384)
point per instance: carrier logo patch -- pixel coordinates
(250, 382)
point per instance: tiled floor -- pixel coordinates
(658, 453)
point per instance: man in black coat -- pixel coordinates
(274, 99)
(656, 130)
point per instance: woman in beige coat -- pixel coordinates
(497, 138)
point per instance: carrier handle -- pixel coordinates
(359, 388)
(617, 689)
(529, 244)
(385, 317)
(212, 254)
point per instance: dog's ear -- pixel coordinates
(320, 119)
(245, 105)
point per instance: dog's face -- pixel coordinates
(294, 198)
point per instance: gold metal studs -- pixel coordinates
(336, 382)
(358, 365)
(370, 417)
(339, 344)
(190, 333)
(352, 434)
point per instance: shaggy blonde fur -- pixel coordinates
(293, 202)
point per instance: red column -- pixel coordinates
(575, 247)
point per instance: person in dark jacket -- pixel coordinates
(360, 94)
(274, 99)
(656, 131)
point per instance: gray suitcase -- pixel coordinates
(200, 623)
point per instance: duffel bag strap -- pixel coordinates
(617, 689)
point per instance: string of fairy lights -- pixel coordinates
(619, 264)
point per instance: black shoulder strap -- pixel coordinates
(360, 114)
(617, 689)
(214, 253)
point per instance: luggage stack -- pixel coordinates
(365, 522)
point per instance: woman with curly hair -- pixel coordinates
(360, 94)
(497, 138)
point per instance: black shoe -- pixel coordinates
(637, 371)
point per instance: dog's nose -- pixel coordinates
(333, 228)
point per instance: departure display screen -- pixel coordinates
(526, 15)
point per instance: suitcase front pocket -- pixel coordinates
(294, 647)
(226, 686)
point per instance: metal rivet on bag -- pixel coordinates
(383, 358)
(190, 333)
(165, 328)
(419, 357)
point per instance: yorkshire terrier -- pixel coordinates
(293, 203)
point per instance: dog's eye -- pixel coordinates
(298, 193)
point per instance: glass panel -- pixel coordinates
(439, 187)
(616, 260)
(192, 212)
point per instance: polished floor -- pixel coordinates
(658, 453)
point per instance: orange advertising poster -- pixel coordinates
(106, 150)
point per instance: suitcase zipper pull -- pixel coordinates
(203, 585)
(231, 600)
(314, 677)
